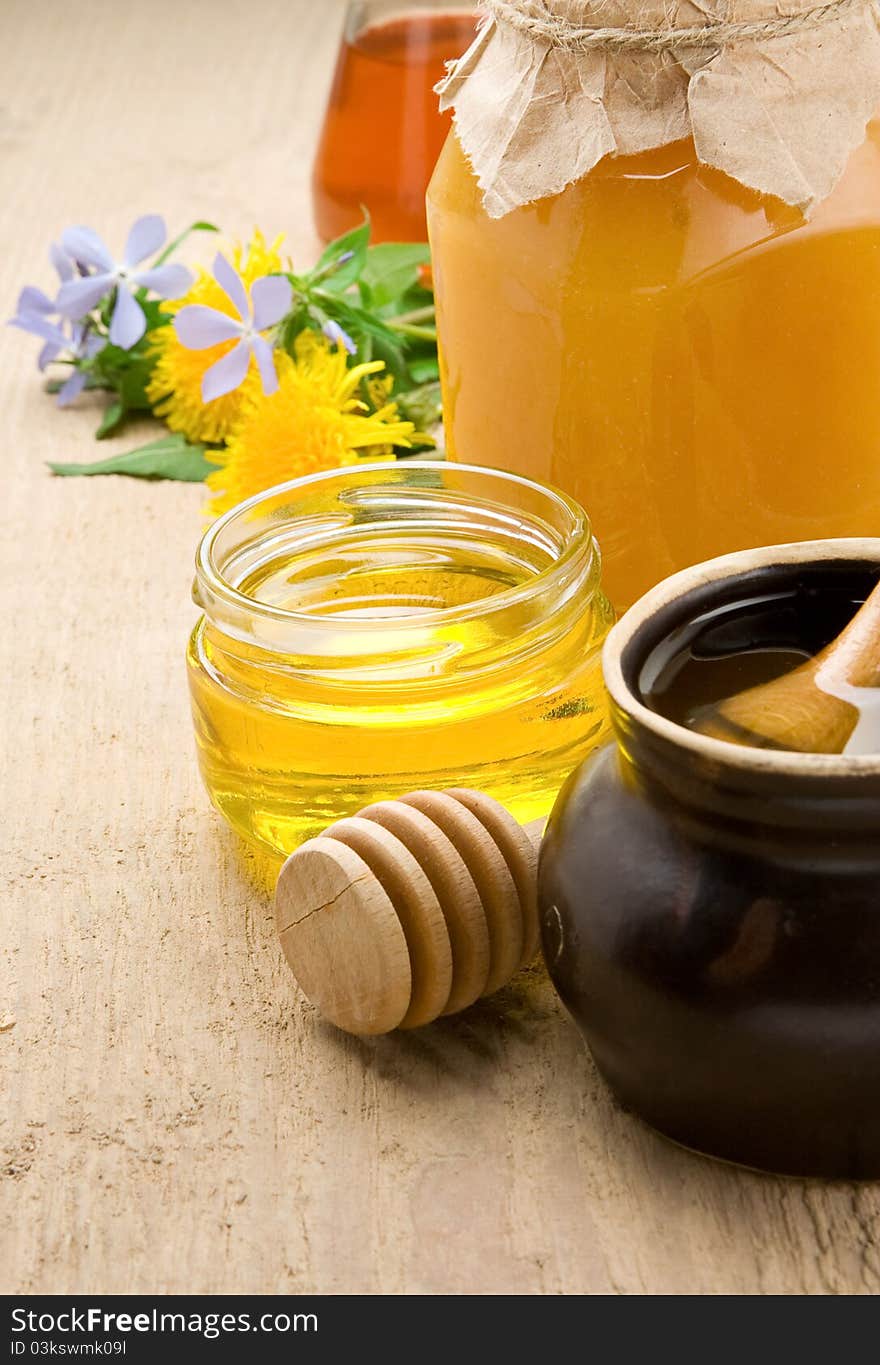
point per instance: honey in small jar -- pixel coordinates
(392, 627)
(383, 132)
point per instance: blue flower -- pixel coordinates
(77, 297)
(338, 335)
(36, 314)
(199, 327)
(72, 341)
(34, 303)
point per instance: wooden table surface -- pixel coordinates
(174, 1117)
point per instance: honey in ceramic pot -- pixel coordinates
(696, 361)
(709, 910)
(714, 676)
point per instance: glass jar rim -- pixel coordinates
(579, 551)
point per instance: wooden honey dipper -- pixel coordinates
(811, 710)
(412, 909)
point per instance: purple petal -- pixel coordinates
(128, 323)
(40, 326)
(270, 297)
(338, 335)
(198, 327)
(82, 244)
(226, 374)
(78, 297)
(92, 346)
(72, 389)
(84, 342)
(50, 352)
(62, 263)
(168, 281)
(146, 237)
(266, 362)
(229, 279)
(33, 300)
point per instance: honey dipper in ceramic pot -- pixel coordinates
(826, 706)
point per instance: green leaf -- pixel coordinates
(356, 320)
(172, 246)
(127, 373)
(171, 457)
(421, 405)
(111, 360)
(132, 384)
(392, 269)
(424, 369)
(337, 279)
(92, 382)
(414, 297)
(395, 361)
(110, 421)
(156, 317)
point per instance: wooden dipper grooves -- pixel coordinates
(455, 890)
(417, 908)
(409, 910)
(492, 878)
(521, 854)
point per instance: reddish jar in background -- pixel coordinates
(382, 131)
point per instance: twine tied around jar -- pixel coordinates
(545, 25)
(776, 101)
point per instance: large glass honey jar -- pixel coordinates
(695, 361)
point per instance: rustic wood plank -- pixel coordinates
(173, 1116)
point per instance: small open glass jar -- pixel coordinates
(392, 626)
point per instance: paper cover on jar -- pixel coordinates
(776, 93)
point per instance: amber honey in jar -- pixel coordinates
(664, 305)
(383, 131)
(390, 627)
(709, 910)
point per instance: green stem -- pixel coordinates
(425, 314)
(417, 333)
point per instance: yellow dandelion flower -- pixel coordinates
(314, 421)
(378, 387)
(175, 389)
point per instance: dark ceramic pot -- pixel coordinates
(711, 914)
